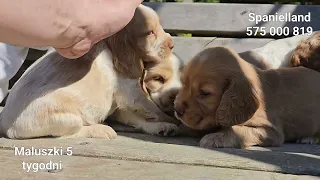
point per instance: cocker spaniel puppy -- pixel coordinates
(307, 53)
(250, 106)
(162, 82)
(71, 98)
(275, 54)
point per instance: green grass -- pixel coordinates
(184, 35)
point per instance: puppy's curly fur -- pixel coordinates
(307, 53)
(275, 54)
(250, 105)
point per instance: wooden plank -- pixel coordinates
(187, 1)
(290, 158)
(187, 47)
(77, 167)
(229, 20)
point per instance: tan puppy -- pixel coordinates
(62, 97)
(307, 53)
(251, 106)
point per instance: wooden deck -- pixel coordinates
(139, 156)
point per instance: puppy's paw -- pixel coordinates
(213, 140)
(162, 129)
(95, 131)
(219, 140)
(168, 129)
(309, 140)
(103, 131)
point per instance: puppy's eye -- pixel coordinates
(203, 94)
(159, 78)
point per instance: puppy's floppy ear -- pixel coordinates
(125, 54)
(142, 83)
(238, 103)
(295, 60)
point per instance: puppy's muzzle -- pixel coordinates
(179, 111)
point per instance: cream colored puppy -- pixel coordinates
(163, 83)
(275, 54)
(71, 98)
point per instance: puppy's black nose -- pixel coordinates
(179, 111)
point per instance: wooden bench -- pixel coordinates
(213, 24)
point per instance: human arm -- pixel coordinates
(72, 27)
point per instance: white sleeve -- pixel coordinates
(43, 48)
(11, 59)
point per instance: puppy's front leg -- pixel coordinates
(139, 101)
(242, 137)
(128, 117)
(148, 109)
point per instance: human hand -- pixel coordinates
(93, 21)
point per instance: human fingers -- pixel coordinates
(75, 51)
